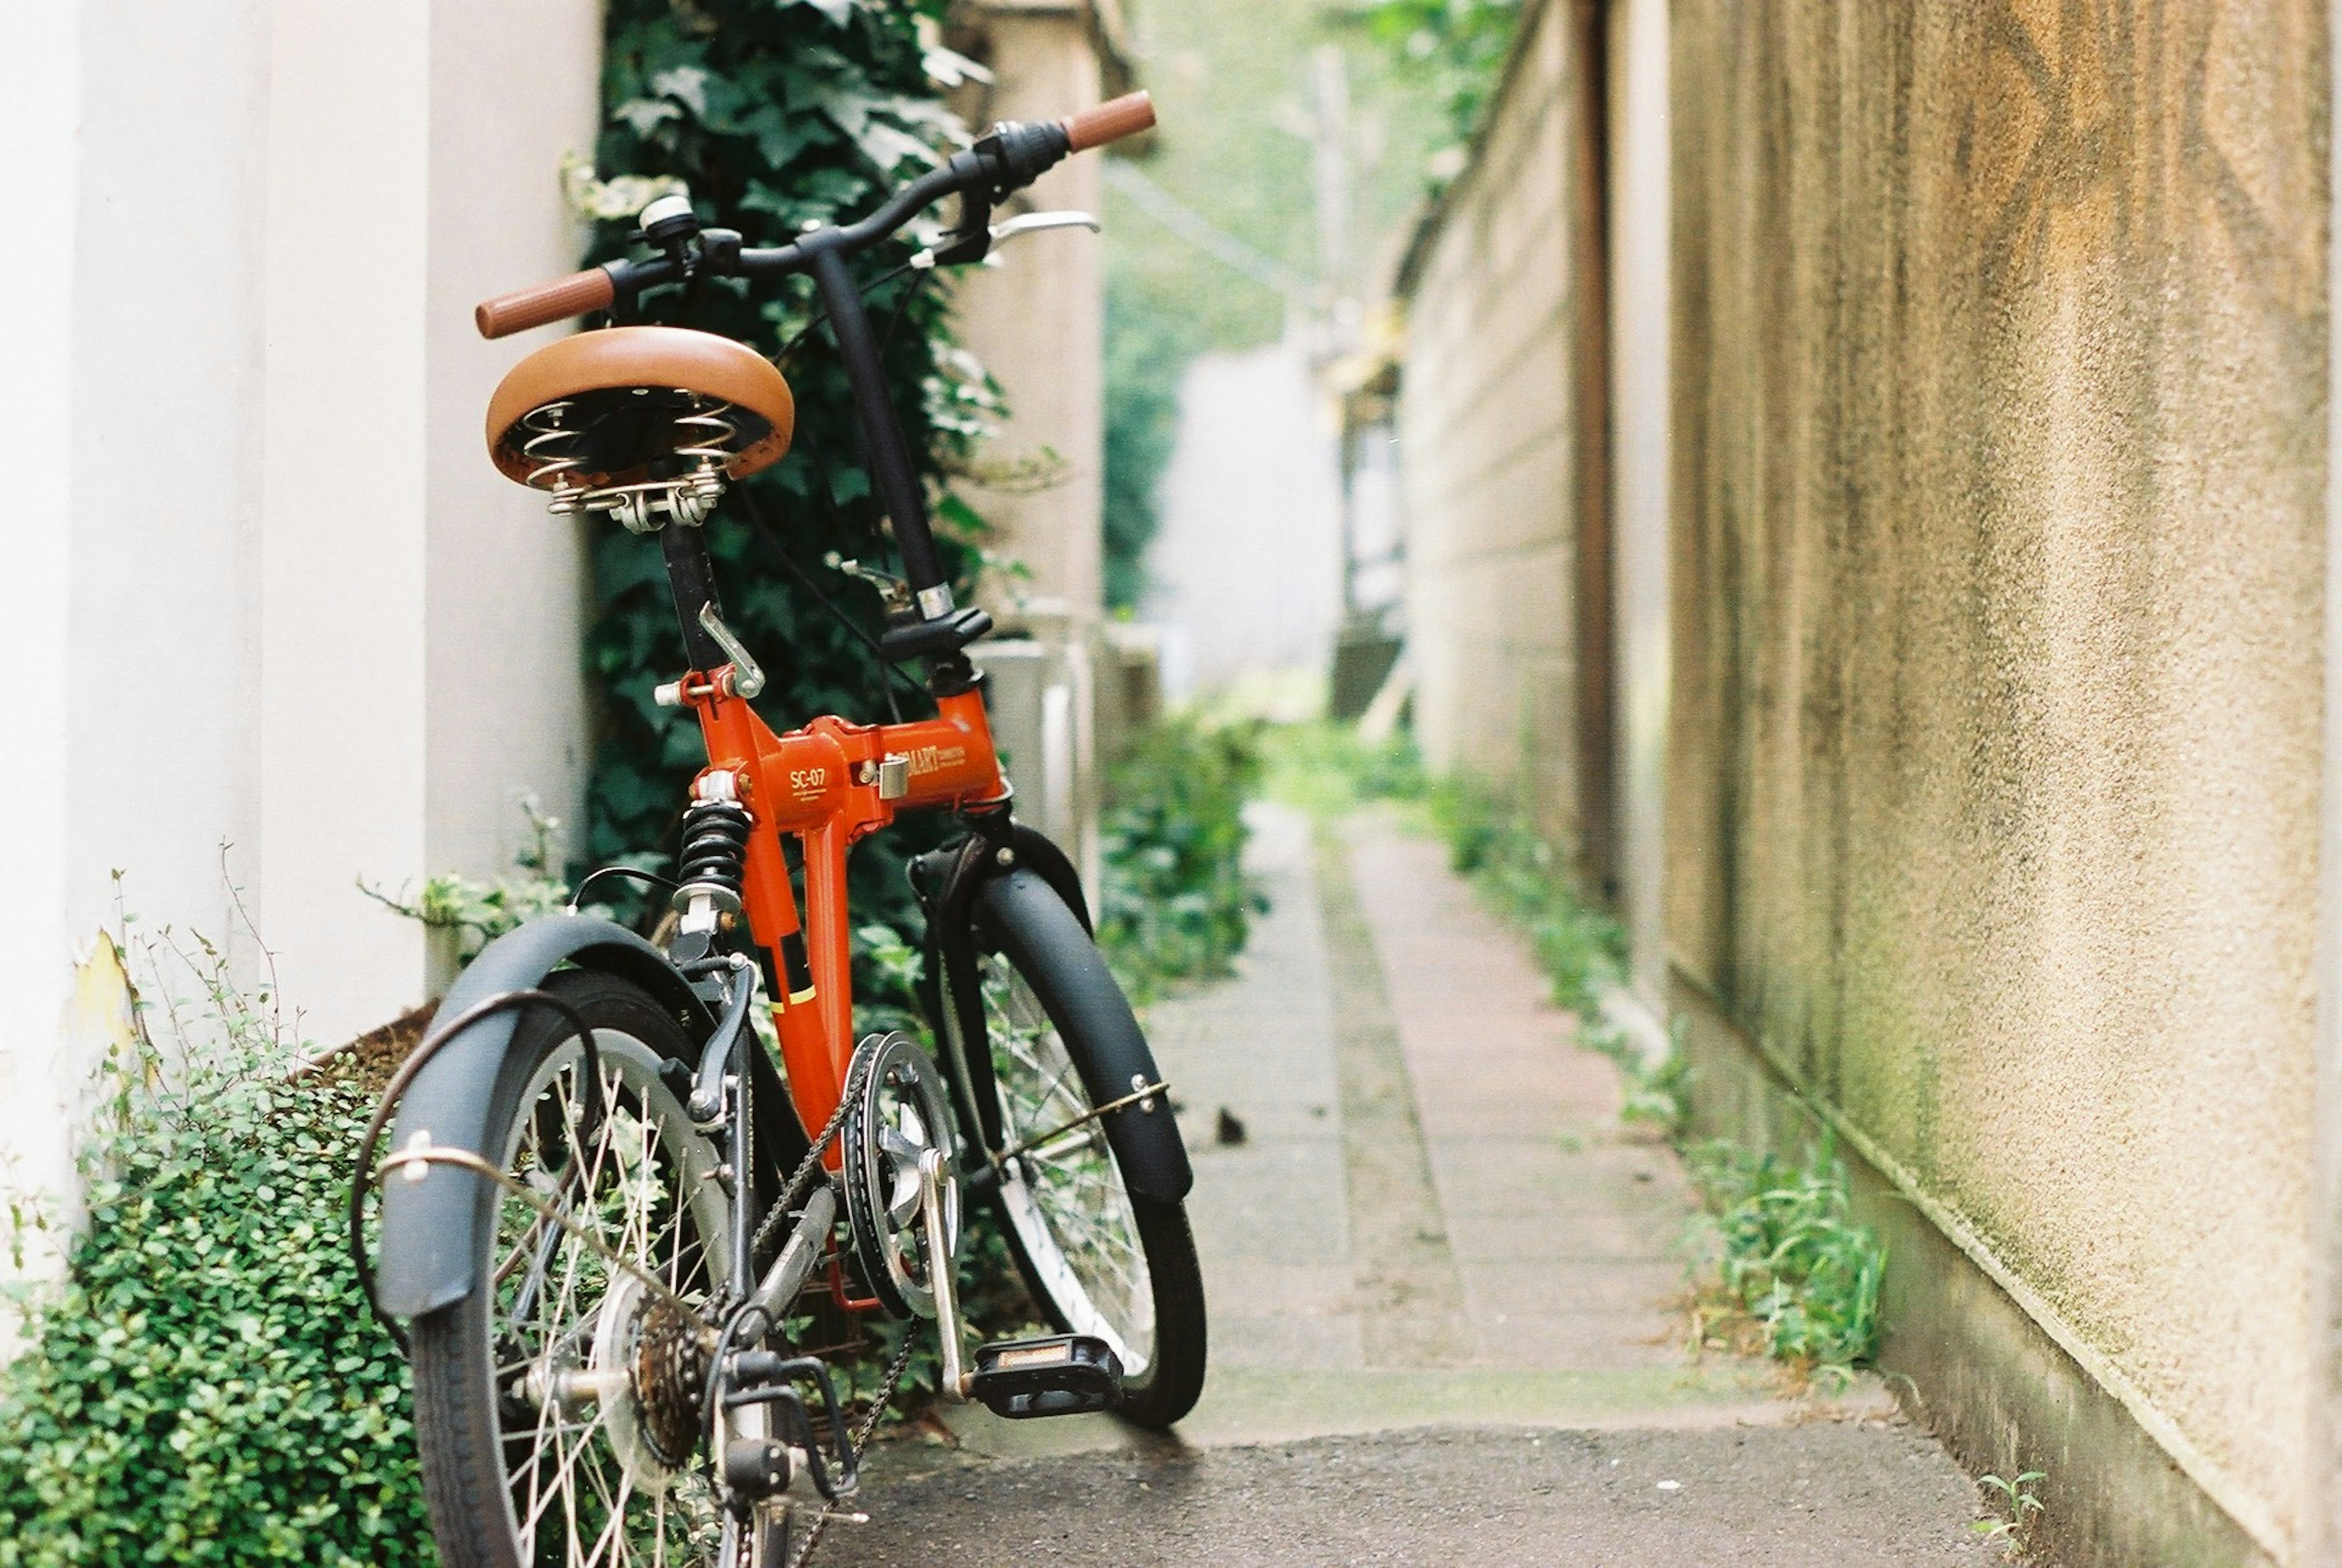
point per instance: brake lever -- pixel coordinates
(1033, 222)
(964, 246)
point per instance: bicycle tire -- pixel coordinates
(468, 1422)
(1035, 953)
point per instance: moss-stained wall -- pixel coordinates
(1999, 379)
(1501, 449)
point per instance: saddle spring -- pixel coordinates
(707, 434)
(557, 450)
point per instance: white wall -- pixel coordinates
(513, 85)
(264, 590)
(1246, 573)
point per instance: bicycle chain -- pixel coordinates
(810, 1163)
(861, 1446)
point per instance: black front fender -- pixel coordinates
(431, 1226)
(971, 884)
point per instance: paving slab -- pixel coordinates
(1446, 1290)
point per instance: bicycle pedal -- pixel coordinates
(1063, 1375)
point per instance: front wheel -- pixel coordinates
(1099, 1259)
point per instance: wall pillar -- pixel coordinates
(1639, 354)
(2321, 1511)
(342, 732)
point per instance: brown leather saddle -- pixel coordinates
(632, 406)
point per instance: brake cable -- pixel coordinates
(772, 544)
(821, 312)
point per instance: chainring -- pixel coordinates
(896, 1114)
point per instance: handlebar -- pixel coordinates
(592, 289)
(1109, 121)
(1009, 158)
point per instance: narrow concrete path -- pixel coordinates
(1445, 1288)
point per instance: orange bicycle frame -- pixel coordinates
(827, 783)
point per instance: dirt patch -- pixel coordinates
(369, 1060)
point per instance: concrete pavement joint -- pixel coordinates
(1410, 1294)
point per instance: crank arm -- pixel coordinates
(952, 1379)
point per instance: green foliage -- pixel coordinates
(1455, 49)
(209, 1387)
(1146, 351)
(1176, 903)
(1793, 1258)
(1326, 769)
(776, 113)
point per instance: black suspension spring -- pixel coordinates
(714, 846)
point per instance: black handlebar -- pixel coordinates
(1006, 160)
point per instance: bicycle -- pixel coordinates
(604, 1198)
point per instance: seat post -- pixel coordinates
(690, 581)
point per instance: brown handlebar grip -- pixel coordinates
(1110, 121)
(556, 301)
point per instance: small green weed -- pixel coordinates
(1792, 1259)
(2021, 1510)
(480, 911)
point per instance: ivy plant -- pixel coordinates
(774, 115)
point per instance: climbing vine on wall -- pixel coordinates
(776, 113)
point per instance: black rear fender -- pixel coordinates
(431, 1227)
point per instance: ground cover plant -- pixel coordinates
(208, 1386)
(1792, 1259)
(1177, 904)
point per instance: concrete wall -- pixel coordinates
(2000, 481)
(1245, 574)
(266, 592)
(1502, 452)
(1035, 314)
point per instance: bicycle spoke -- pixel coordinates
(1076, 1224)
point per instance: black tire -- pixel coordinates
(1048, 1000)
(483, 1442)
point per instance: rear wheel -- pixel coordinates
(1099, 1258)
(559, 1408)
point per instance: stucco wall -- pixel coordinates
(1998, 466)
(272, 616)
(1493, 441)
(514, 86)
